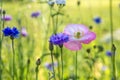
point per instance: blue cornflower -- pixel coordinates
(13, 33)
(109, 53)
(35, 14)
(51, 3)
(49, 66)
(59, 39)
(61, 2)
(97, 20)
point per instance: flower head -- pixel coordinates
(13, 33)
(59, 39)
(24, 32)
(51, 3)
(61, 2)
(97, 20)
(109, 53)
(35, 14)
(7, 18)
(49, 66)
(78, 34)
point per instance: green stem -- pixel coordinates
(58, 68)
(37, 72)
(111, 23)
(53, 65)
(13, 58)
(28, 65)
(113, 51)
(62, 62)
(76, 66)
(113, 62)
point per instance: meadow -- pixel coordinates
(33, 53)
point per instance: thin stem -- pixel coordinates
(37, 72)
(28, 65)
(53, 65)
(113, 62)
(62, 62)
(58, 68)
(111, 23)
(13, 58)
(113, 51)
(76, 66)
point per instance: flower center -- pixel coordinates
(77, 35)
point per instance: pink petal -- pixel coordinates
(87, 38)
(72, 28)
(73, 45)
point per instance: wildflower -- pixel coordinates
(13, 33)
(59, 39)
(24, 32)
(7, 18)
(49, 66)
(61, 2)
(109, 53)
(51, 3)
(35, 14)
(78, 34)
(97, 20)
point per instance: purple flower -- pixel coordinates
(97, 20)
(59, 39)
(13, 33)
(24, 32)
(7, 18)
(35, 14)
(49, 66)
(109, 53)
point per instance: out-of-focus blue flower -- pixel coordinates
(49, 66)
(7, 18)
(24, 32)
(51, 3)
(97, 20)
(61, 2)
(13, 33)
(109, 53)
(59, 39)
(35, 14)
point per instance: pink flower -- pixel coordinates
(24, 32)
(78, 34)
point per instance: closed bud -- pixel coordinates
(51, 47)
(38, 62)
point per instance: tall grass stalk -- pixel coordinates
(112, 42)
